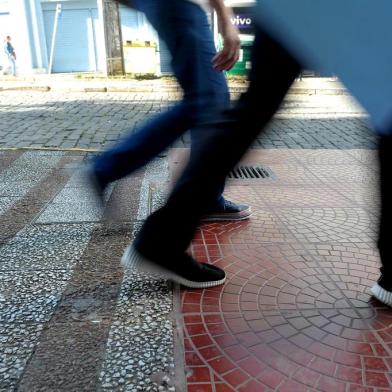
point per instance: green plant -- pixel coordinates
(146, 77)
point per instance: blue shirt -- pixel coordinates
(9, 49)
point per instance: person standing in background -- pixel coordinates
(10, 53)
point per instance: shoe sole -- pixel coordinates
(216, 218)
(132, 260)
(381, 294)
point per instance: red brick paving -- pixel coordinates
(295, 313)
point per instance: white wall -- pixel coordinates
(21, 20)
(21, 35)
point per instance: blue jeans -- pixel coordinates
(169, 230)
(184, 27)
(12, 63)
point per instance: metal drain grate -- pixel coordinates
(250, 172)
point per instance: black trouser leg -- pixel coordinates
(385, 230)
(222, 144)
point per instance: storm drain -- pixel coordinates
(250, 173)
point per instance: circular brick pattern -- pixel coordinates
(325, 157)
(302, 196)
(366, 196)
(295, 313)
(329, 224)
(289, 319)
(345, 173)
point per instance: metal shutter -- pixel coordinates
(75, 49)
(129, 23)
(165, 58)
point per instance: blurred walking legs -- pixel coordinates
(185, 29)
(382, 290)
(168, 232)
(12, 63)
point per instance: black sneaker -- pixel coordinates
(183, 270)
(230, 211)
(382, 290)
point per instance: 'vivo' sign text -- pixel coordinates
(242, 21)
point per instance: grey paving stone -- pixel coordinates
(27, 171)
(11, 369)
(6, 203)
(30, 296)
(139, 353)
(18, 339)
(70, 213)
(64, 120)
(35, 267)
(75, 203)
(77, 195)
(43, 247)
(17, 342)
(24, 173)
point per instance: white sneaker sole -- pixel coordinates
(221, 218)
(132, 260)
(382, 295)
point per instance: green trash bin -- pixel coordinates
(243, 65)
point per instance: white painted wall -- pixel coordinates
(23, 20)
(102, 64)
(21, 35)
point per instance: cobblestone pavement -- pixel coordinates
(94, 120)
(70, 320)
(295, 314)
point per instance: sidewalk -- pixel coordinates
(71, 83)
(294, 315)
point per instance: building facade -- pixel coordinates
(67, 35)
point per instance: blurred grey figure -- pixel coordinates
(328, 36)
(10, 53)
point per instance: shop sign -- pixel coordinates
(242, 21)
